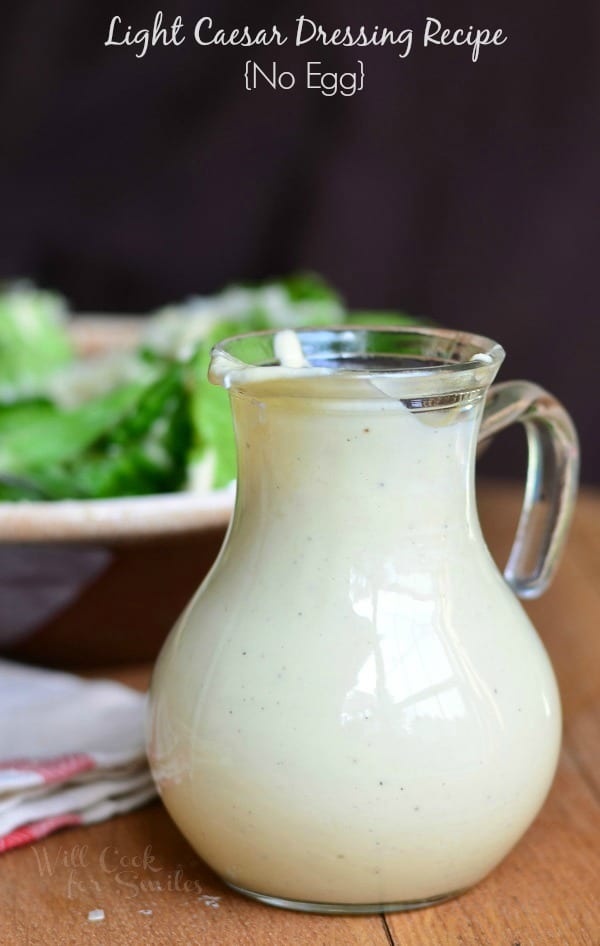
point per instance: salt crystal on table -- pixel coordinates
(95, 915)
(210, 901)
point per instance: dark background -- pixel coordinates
(466, 192)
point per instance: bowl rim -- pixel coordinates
(122, 518)
(129, 517)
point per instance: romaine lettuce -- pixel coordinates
(34, 341)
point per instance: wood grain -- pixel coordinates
(546, 893)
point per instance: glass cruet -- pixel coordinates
(354, 713)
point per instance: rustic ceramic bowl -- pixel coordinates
(92, 582)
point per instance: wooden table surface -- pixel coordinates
(153, 890)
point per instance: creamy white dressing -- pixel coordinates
(288, 350)
(354, 709)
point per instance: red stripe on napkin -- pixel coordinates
(36, 830)
(52, 770)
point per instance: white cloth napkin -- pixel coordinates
(71, 752)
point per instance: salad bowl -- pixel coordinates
(85, 582)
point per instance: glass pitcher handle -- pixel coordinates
(551, 486)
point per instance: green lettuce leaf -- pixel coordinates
(34, 341)
(134, 441)
(52, 436)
